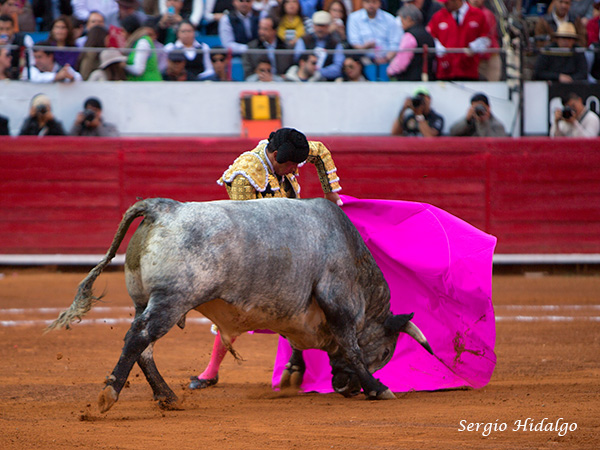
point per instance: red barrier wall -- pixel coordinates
(537, 195)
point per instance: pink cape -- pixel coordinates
(438, 267)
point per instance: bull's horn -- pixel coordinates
(412, 330)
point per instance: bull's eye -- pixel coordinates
(385, 355)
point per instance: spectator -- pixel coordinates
(593, 27)
(490, 64)
(265, 7)
(20, 13)
(548, 24)
(47, 11)
(270, 43)
(239, 27)
(90, 60)
(479, 120)
(561, 61)
(212, 13)
(575, 120)
(191, 10)
(41, 121)
(306, 70)
(339, 19)
(47, 70)
(95, 19)
(353, 69)
(5, 62)
(329, 51)
(427, 7)
(196, 54)
(127, 8)
(4, 129)
(291, 25)
(422, 120)
(595, 61)
(151, 25)
(21, 50)
(220, 66)
(375, 30)
(176, 70)
(459, 25)
(169, 21)
(61, 35)
(584, 9)
(264, 72)
(407, 65)
(89, 122)
(142, 62)
(109, 9)
(111, 68)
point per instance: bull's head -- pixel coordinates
(377, 343)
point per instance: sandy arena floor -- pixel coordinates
(548, 369)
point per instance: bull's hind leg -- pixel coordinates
(293, 374)
(159, 386)
(147, 328)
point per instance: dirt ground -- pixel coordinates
(547, 370)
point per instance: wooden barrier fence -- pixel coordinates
(536, 195)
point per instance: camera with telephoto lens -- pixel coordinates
(417, 101)
(480, 110)
(41, 109)
(567, 112)
(88, 116)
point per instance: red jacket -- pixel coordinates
(444, 28)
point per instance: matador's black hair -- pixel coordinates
(291, 145)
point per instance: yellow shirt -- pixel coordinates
(290, 23)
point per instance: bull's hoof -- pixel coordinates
(170, 404)
(346, 384)
(291, 378)
(383, 395)
(201, 383)
(108, 397)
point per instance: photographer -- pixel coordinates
(575, 120)
(89, 121)
(479, 120)
(41, 121)
(422, 120)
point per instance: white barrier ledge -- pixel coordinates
(558, 258)
(92, 260)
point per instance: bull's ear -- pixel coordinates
(396, 323)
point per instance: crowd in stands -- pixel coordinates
(412, 40)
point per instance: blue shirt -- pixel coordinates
(383, 29)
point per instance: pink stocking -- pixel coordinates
(216, 358)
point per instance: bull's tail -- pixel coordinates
(85, 299)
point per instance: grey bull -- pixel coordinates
(297, 267)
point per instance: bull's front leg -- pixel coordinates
(350, 371)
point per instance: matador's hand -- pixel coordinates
(334, 197)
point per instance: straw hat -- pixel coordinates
(566, 30)
(39, 100)
(110, 56)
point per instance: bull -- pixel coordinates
(297, 267)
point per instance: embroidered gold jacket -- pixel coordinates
(251, 175)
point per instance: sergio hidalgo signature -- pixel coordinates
(559, 426)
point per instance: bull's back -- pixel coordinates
(246, 251)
